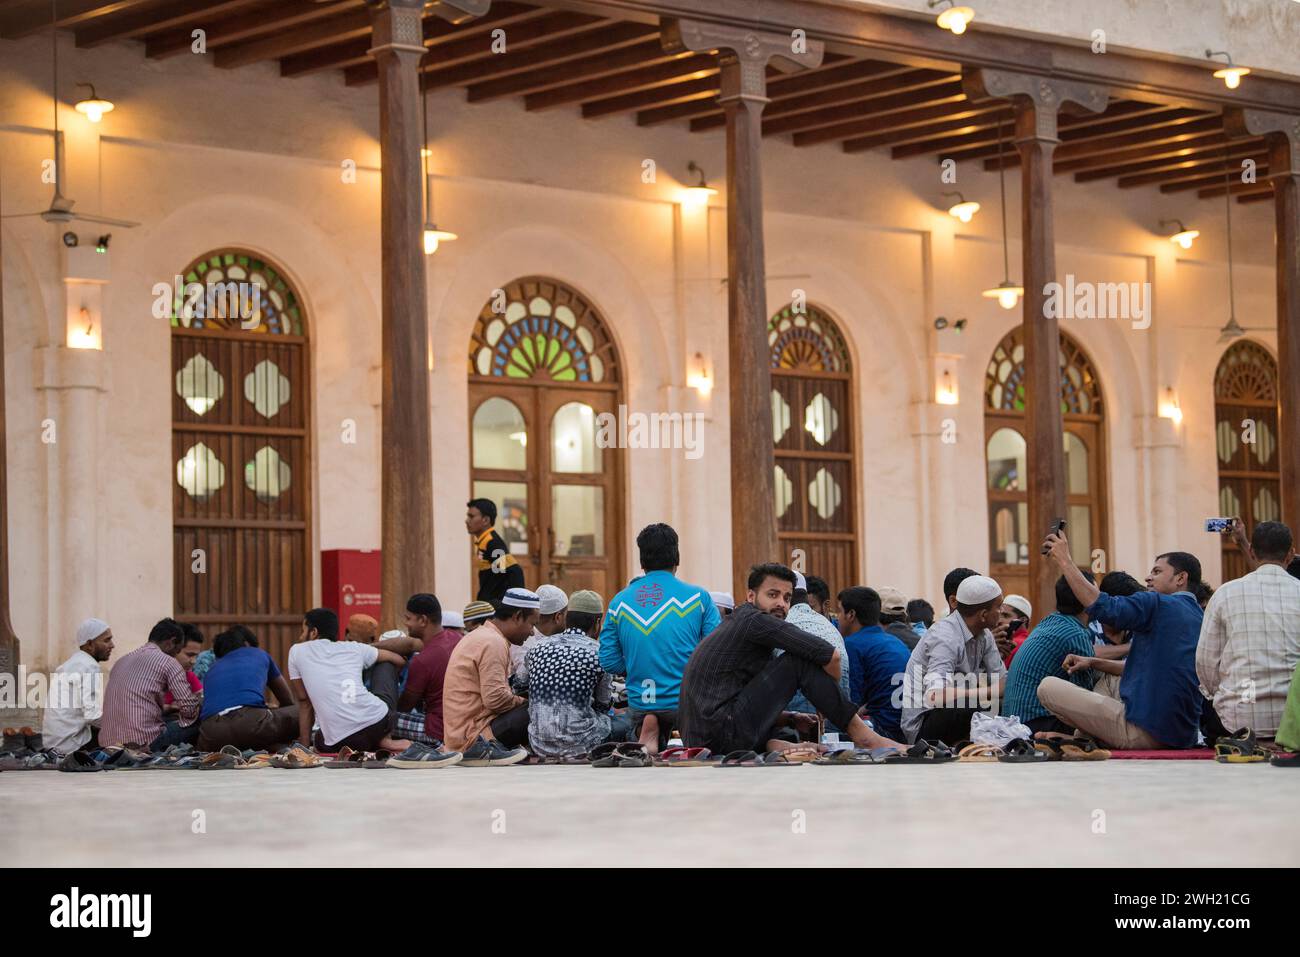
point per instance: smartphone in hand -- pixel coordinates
(1219, 525)
(1057, 528)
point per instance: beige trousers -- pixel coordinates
(1099, 715)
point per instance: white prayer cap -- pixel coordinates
(453, 619)
(977, 590)
(89, 630)
(800, 583)
(394, 633)
(723, 599)
(521, 598)
(1021, 604)
(551, 599)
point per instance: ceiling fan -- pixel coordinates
(60, 210)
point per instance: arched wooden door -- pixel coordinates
(1246, 438)
(241, 496)
(543, 369)
(812, 429)
(1084, 440)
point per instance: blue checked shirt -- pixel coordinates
(1040, 657)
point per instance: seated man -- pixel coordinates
(1113, 643)
(921, 615)
(955, 670)
(234, 702)
(893, 616)
(1250, 640)
(877, 660)
(652, 627)
(734, 692)
(133, 697)
(805, 613)
(1157, 704)
(191, 648)
(482, 717)
(76, 691)
(1017, 612)
(362, 628)
(568, 693)
(723, 601)
(475, 613)
(553, 603)
(1063, 633)
(326, 675)
(425, 678)
(453, 621)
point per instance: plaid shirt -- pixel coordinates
(133, 697)
(1249, 648)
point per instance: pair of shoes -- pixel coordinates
(19, 741)
(422, 756)
(1239, 748)
(620, 754)
(490, 754)
(80, 761)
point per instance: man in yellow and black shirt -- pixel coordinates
(497, 568)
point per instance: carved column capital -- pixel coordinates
(1041, 97)
(1281, 131)
(747, 51)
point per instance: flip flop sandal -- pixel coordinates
(377, 759)
(688, 758)
(220, 761)
(848, 757)
(924, 752)
(777, 759)
(980, 753)
(1239, 748)
(186, 762)
(347, 759)
(623, 755)
(1285, 759)
(575, 759)
(1082, 749)
(739, 759)
(1022, 751)
(80, 761)
(297, 759)
(255, 761)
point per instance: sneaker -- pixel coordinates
(15, 743)
(490, 754)
(422, 756)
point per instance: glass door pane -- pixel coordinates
(578, 520)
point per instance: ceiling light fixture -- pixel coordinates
(1184, 236)
(1007, 293)
(93, 107)
(954, 18)
(1231, 74)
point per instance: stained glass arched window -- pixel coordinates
(233, 289)
(1083, 448)
(537, 328)
(1246, 441)
(812, 431)
(1004, 381)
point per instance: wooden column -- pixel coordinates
(406, 522)
(1037, 101)
(1282, 134)
(8, 640)
(744, 56)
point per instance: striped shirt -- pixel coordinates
(133, 697)
(1249, 648)
(1040, 656)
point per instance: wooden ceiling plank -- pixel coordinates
(677, 111)
(35, 16)
(660, 74)
(1246, 189)
(346, 26)
(1188, 170)
(927, 122)
(1179, 158)
(550, 76)
(163, 14)
(1140, 153)
(866, 116)
(687, 91)
(238, 27)
(1111, 149)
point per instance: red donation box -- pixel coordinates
(349, 579)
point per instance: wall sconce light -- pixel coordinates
(93, 107)
(963, 209)
(697, 195)
(1169, 408)
(1231, 74)
(82, 332)
(101, 244)
(1007, 293)
(699, 378)
(954, 18)
(1184, 236)
(945, 391)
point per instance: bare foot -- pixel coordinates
(650, 734)
(396, 745)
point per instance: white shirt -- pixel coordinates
(76, 700)
(331, 673)
(1249, 648)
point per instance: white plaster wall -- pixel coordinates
(206, 158)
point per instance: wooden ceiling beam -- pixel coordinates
(929, 122)
(238, 27)
(1180, 158)
(350, 25)
(1244, 189)
(1190, 170)
(551, 76)
(1108, 149)
(865, 118)
(688, 91)
(1138, 153)
(681, 67)
(33, 16)
(162, 15)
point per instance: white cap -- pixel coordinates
(551, 599)
(392, 634)
(453, 619)
(723, 599)
(800, 583)
(1021, 604)
(521, 598)
(90, 629)
(977, 590)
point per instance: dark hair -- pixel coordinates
(1120, 584)
(760, 573)
(486, 507)
(918, 609)
(1294, 568)
(425, 604)
(583, 621)
(1184, 562)
(1271, 541)
(166, 630)
(232, 639)
(817, 586)
(192, 633)
(798, 597)
(504, 612)
(955, 578)
(1203, 592)
(1066, 602)
(658, 546)
(324, 621)
(863, 602)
